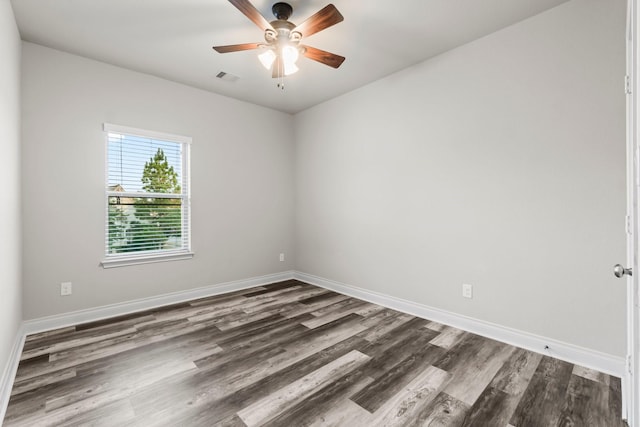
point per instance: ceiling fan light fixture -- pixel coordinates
(267, 57)
(290, 55)
(290, 68)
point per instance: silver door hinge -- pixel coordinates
(629, 364)
(628, 224)
(627, 84)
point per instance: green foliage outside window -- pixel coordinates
(148, 223)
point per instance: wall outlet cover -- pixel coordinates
(467, 290)
(66, 288)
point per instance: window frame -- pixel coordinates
(131, 258)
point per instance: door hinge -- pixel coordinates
(628, 224)
(629, 364)
(627, 84)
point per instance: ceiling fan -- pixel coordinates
(282, 46)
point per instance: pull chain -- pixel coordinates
(280, 84)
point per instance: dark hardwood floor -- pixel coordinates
(291, 354)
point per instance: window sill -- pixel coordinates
(147, 259)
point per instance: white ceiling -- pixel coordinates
(172, 39)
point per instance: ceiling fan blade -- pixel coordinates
(327, 58)
(236, 47)
(324, 18)
(278, 68)
(252, 13)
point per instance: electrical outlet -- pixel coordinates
(281, 257)
(467, 290)
(66, 288)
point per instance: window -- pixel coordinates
(147, 197)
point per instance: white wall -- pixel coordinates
(10, 248)
(242, 182)
(499, 164)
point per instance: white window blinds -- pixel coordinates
(147, 195)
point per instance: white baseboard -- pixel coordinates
(602, 362)
(9, 372)
(113, 310)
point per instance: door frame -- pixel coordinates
(631, 382)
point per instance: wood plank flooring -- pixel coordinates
(291, 354)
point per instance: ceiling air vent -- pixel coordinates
(227, 77)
